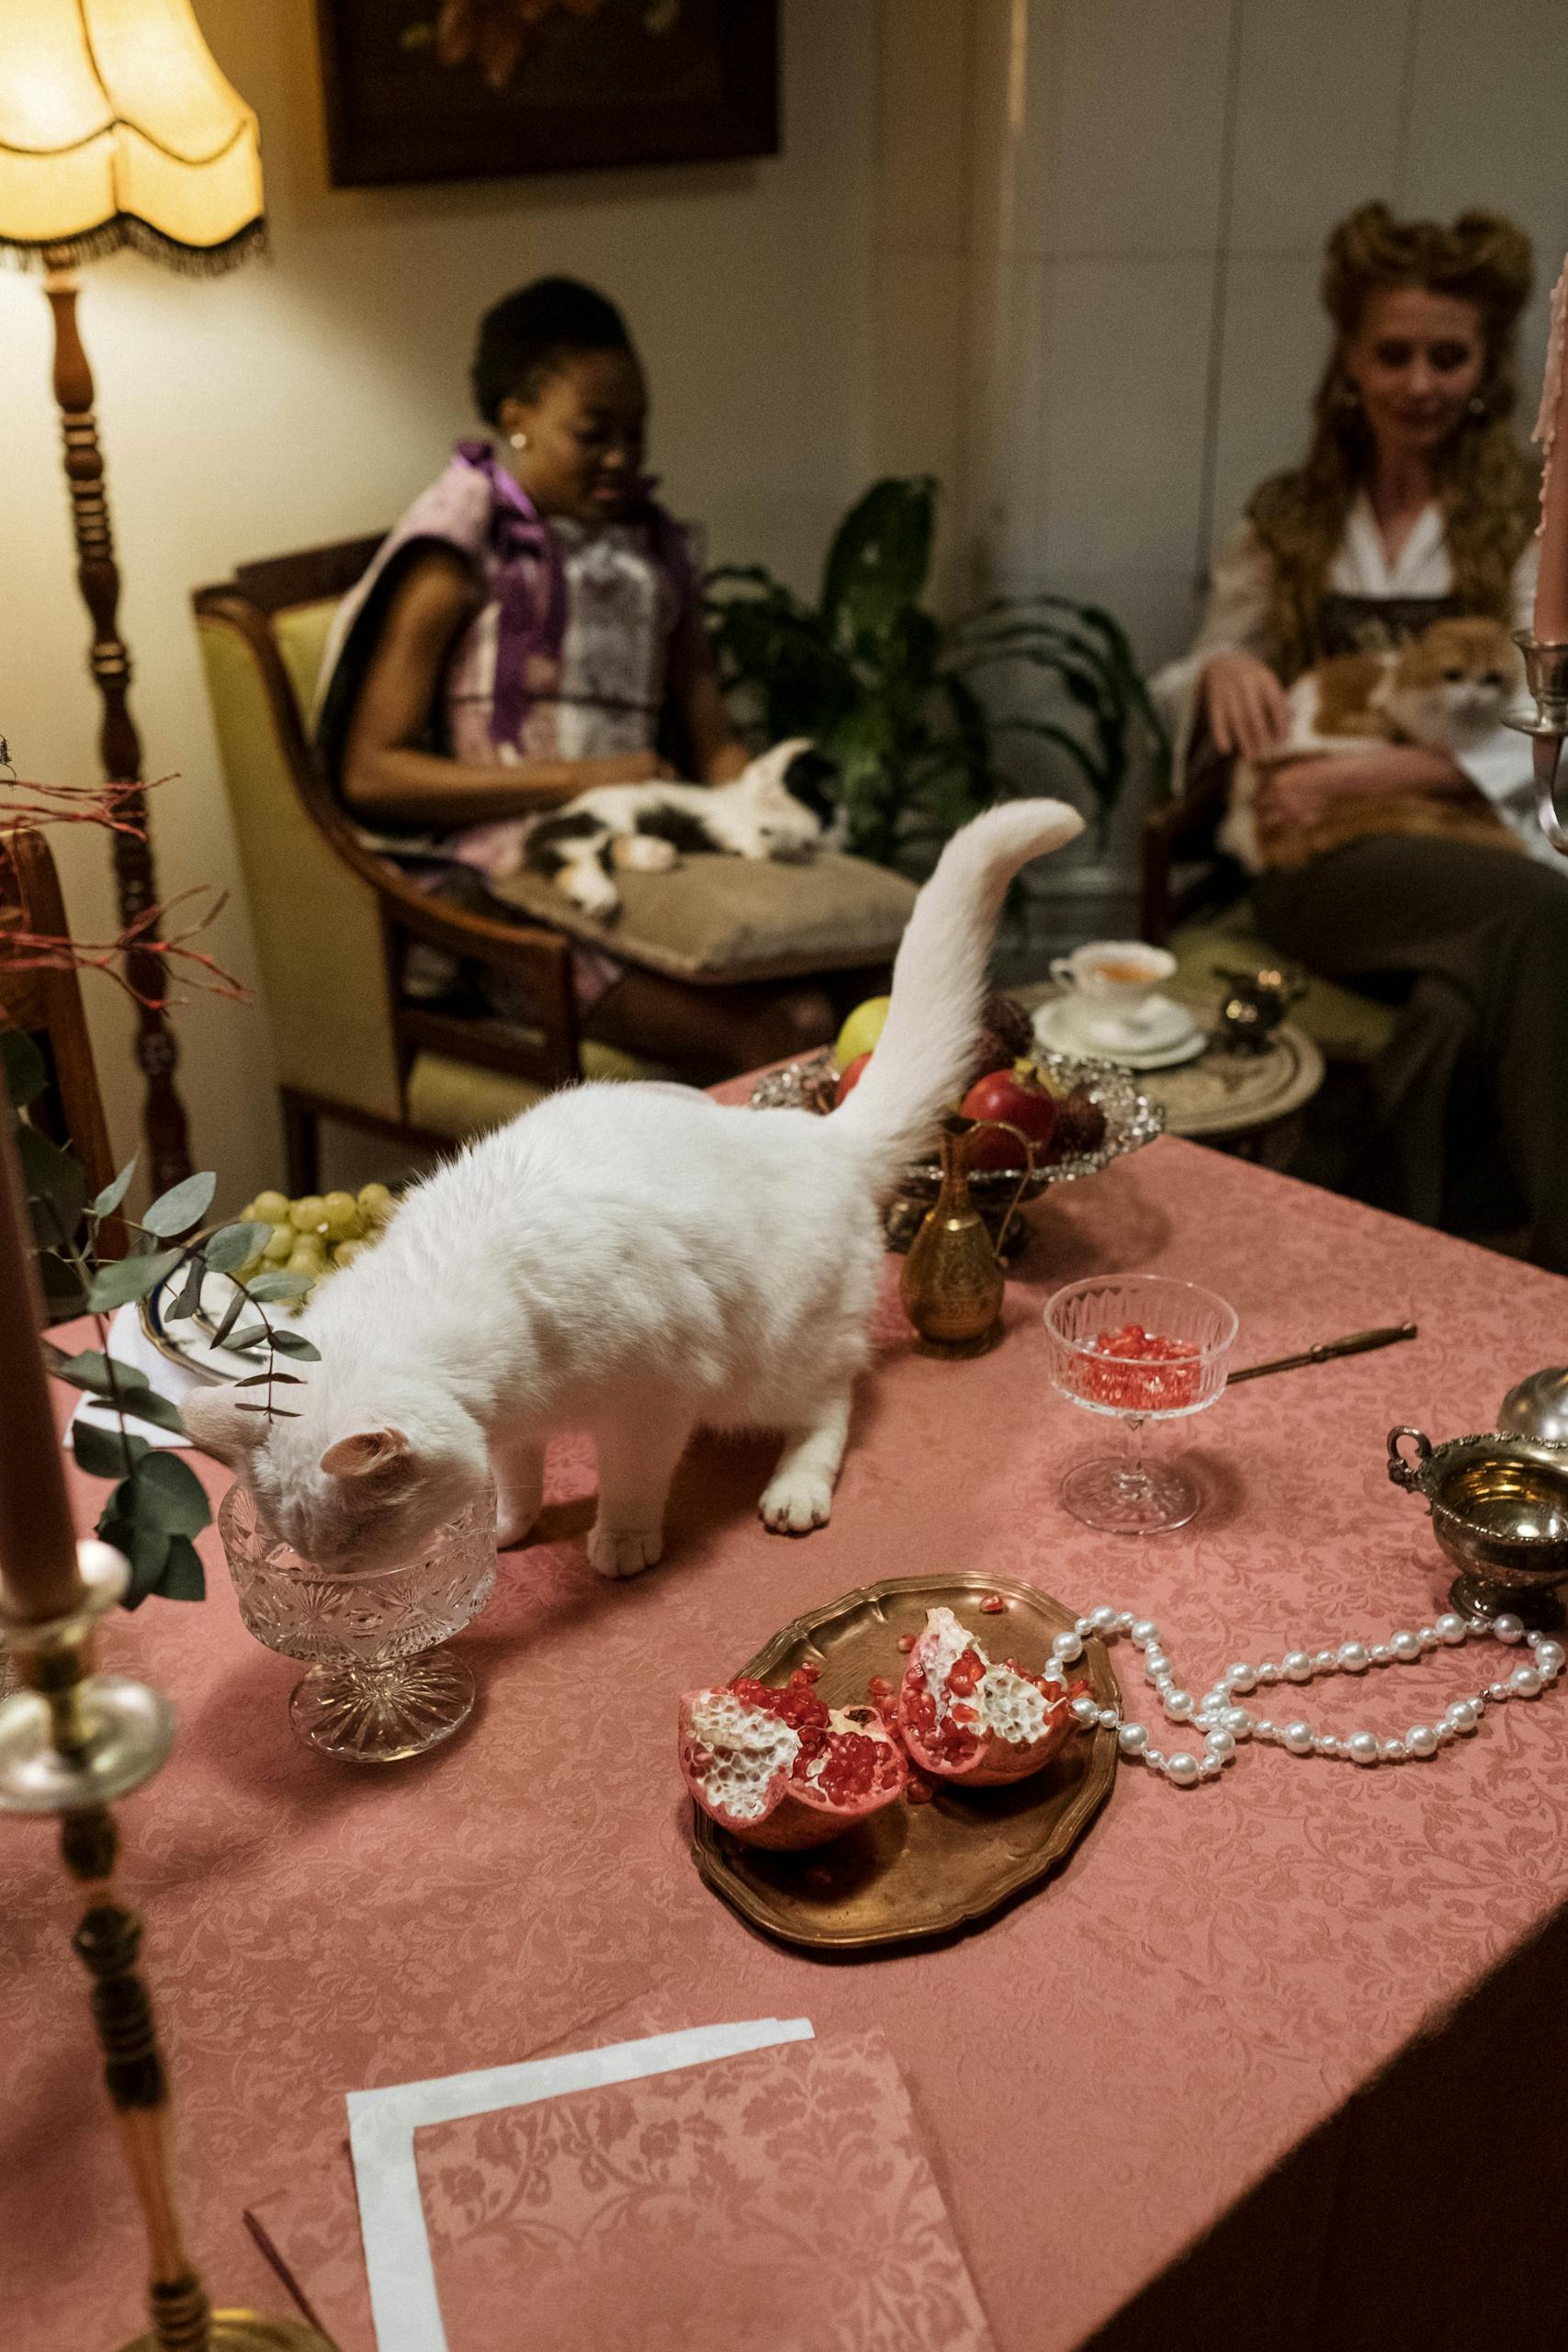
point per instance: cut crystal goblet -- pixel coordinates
(381, 1685)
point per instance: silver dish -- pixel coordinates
(1132, 1120)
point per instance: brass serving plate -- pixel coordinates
(915, 1871)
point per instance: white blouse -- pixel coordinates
(1236, 617)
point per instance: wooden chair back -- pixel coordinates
(46, 1005)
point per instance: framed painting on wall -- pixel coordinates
(482, 89)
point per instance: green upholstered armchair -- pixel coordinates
(333, 924)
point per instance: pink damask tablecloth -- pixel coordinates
(1281, 2054)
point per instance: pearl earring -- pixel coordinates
(518, 440)
(1477, 405)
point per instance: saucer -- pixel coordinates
(1160, 1042)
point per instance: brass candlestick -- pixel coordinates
(72, 1741)
(1546, 674)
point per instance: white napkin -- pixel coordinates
(381, 2125)
(129, 1344)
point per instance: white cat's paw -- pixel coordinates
(647, 854)
(797, 1501)
(588, 887)
(514, 1523)
(624, 1551)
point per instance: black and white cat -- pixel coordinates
(782, 805)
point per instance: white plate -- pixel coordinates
(187, 1339)
(1060, 1027)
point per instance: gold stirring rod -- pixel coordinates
(1359, 1343)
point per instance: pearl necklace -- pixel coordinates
(1225, 1724)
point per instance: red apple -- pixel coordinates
(849, 1079)
(1003, 1094)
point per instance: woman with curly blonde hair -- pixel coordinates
(1414, 502)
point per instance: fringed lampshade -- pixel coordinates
(116, 129)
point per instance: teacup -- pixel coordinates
(1114, 980)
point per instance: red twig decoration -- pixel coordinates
(151, 934)
(75, 804)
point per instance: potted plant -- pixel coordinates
(910, 707)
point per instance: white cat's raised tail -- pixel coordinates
(627, 1261)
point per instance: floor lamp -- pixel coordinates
(116, 129)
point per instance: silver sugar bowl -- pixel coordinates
(1538, 1406)
(1499, 1507)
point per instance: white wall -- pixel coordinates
(308, 398)
(1159, 178)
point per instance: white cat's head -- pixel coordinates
(790, 798)
(348, 1486)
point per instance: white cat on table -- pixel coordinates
(624, 1261)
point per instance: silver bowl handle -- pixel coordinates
(1408, 1473)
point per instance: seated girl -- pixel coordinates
(1396, 864)
(531, 629)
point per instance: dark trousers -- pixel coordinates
(1473, 944)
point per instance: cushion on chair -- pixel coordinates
(713, 919)
(447, 1096)
(716, 919)
(1347, 1026)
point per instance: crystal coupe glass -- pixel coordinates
(380, 1686)
(1098, 1362)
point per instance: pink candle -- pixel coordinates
(37, 1543)
(1551, 432)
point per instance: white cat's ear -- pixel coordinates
(220, 1425)
(382, 1454)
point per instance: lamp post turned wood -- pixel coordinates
(157, 1054)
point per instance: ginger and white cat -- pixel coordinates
(1447, 689)
(630, 1261)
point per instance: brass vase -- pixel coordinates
(952, 1281)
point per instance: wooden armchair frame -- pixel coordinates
(546, 1055)
(1169, 896)
(45, 1004)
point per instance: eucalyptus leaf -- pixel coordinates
(107, 1453)
(232, 1244)
(264, 1379)
(167, 1493)
(184, 1578)
(26, 1071)
(181, 1206)
(295, 1343)
(188, 1300)
(243, 1343)
(91, 1371)
(230, 1317)
(55, 1182)
(267, 1287)
(124, 1279)
(108, 1200)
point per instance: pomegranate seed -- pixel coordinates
(808, 1673)
(918, 1792)
(907, 1643)
(880, 1687)
(992, 1604)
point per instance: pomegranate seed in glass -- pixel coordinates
(1137, 1347)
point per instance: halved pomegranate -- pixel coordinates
(963, 1719)
(779, 1768)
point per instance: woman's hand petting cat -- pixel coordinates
(1247, 708)
(1298, 793)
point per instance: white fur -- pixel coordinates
(628, 1261)
(756, 817)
